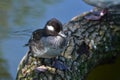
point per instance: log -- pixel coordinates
(90, 43)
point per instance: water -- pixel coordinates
(21, 17)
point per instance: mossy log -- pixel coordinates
(90, 43)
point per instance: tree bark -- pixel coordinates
(90, 43)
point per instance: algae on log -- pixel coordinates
(90, 43)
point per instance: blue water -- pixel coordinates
(12, 45)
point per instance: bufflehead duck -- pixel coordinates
(106, 6)
(96, 15)
(49, 41)
(103, 3)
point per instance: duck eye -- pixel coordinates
(51, 28)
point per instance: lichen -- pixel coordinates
(101, 39)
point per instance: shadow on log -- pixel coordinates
(90, 43)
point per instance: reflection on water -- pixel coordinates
(4, 8)
(18, 18)
(4, 72)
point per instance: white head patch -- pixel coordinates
(51, 28)
(101, 14)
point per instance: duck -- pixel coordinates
(104, 3)
(48, 42)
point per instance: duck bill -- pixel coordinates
(61, 34)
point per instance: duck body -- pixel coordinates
(47, 42)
